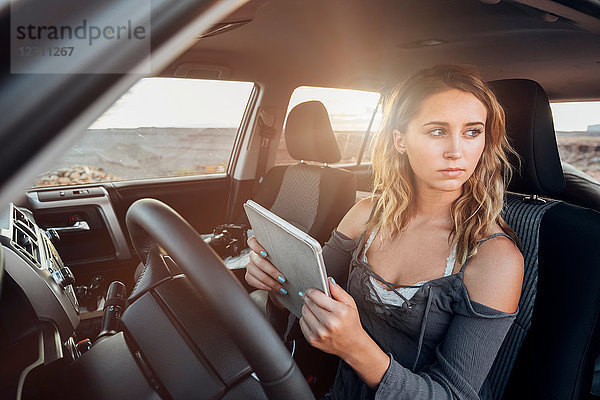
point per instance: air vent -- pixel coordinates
(20, 218)
(24, 237)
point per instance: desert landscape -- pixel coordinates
(125, 154)
(582, 151)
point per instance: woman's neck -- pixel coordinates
(435, 205)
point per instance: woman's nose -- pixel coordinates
(453, 150)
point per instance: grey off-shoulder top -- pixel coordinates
(441, 344)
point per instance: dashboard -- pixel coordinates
(40, 311)
(168, 343)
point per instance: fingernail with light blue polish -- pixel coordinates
(283, 291)
(281, 279)
(333, 280)
(301, 293)
(263, 253)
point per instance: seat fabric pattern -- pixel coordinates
(549, 351)
(298, 198)
(525, 219)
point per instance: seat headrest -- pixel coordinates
(530, 131)
(308, 134)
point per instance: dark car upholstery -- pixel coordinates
(550, 351)
(580, 188)
(528, 114)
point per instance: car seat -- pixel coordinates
(580, 188)
(550, 350)
(312, 197)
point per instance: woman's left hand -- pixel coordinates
(331, 324)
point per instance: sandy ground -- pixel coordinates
(582, 152)
(148, 153)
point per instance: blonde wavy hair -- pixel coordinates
(478, 208)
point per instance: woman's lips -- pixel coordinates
(452, 172)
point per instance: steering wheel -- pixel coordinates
(154, 221)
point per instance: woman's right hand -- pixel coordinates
(261, 274)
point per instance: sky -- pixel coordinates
(186, 103)
(575, 116)
(178, 103)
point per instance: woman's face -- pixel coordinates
(445, 140)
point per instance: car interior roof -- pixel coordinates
(367, 45)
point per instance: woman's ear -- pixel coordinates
(399, 141)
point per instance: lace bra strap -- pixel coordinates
(368, 243)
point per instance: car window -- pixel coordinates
(577, 126)
(162, 127)
(349, 112)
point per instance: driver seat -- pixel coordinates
(549, 351)
(314, 198)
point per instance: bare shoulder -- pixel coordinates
(356, 218)
(494, 276)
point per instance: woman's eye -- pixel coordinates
(474, 132)
(436, 132)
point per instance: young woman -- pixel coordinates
(425, 274)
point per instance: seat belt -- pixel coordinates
(263, 126)
(368, 132)
(266, 132)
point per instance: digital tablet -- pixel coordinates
(296, 254)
